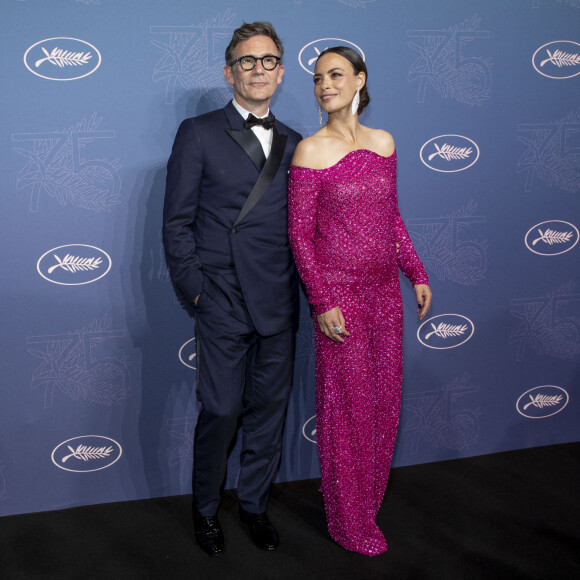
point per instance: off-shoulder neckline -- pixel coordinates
(347, 155)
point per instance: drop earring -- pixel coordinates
(355, 102)
(320, 115)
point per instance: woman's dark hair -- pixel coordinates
(248, 30)
(358, 65)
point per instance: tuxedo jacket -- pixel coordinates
(245, 267)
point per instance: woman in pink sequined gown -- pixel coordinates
(349, 240)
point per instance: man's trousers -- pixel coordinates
(241, 375)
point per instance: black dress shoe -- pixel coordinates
(262, 531)
(209, 534)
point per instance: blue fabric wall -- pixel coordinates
(97, 399)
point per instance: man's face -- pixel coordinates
(254, 88)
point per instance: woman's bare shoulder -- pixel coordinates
(308, 153)
(381, 142)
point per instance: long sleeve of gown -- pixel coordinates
(407, 258)
(303, 190)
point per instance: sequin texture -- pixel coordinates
(344, 227)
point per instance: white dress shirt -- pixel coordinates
(265, 136)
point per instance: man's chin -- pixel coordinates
(255, 101)
(261, 97)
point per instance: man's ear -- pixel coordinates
(280, 73)
(228, 74)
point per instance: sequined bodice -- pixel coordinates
(345, 225)
(358, 194)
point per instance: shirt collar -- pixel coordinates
(244, 112)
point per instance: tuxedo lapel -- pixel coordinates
(266, 175)
(277, 151)
(247, 140)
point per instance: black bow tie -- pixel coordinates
(266, 122)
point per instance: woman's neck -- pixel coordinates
(344, 125)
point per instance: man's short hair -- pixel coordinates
(248, 30)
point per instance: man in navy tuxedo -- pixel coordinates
(226, 242)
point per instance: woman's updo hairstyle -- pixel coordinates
(358, 64)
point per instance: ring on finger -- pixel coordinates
(337, 329)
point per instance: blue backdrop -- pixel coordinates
(97, 396)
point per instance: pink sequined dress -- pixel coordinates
(344, 227)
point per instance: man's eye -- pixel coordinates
(248, 60)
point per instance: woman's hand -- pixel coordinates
(330, 320)
(424, 296)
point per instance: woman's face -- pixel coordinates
(335, 82)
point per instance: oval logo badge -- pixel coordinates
(86, 453)
(62, 59)
(552, 238)
(542, 402)
(449, 153)
(74, 264)
(559, 59)
(188, 353)
(309, 53)
(309, 429)
(445, 331)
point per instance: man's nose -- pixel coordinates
(259, 68)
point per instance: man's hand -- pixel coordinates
(331, 319)
(196, 299)
(424, 296)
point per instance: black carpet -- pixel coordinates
(508, 515)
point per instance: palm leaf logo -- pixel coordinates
(62, 58)
(446, 330)
(540, 401)
(561, 59)
(450, 153)
(85, 453)
(75, 264)
(552, 237)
